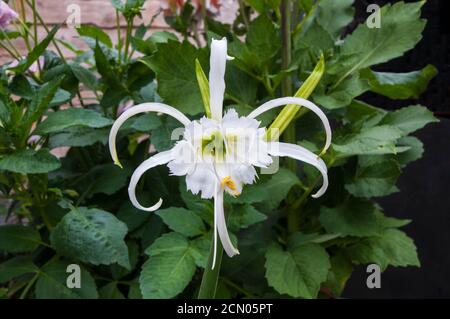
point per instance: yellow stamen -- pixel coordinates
(227, 181)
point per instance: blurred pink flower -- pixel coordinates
(6, 14)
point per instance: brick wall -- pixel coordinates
(96, 12)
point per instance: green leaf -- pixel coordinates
(16, 267)
(270, 193)
(18, 238)
(410, 119)
(29, 161)
(85, 76)
(174, 65)
(414, 152)
(375, 140)
(105, 69)
(297, 272)
(400, 85)
(353, 218)
(42, 99)
(260, 42)
(244, 216)
(93, 236)
(79, 136)
(334, 15)
(52, 283)
(169, 268)
(401, 29)
(37, 51)
(144, 123)
(95, 33)
(203, 208)
(341, 269)
(110, 291)
(392, 247)
(344, 93)
(106, 179)
(200, 248)
(374, 179)
(390, 222)
(182, 221)
(63, 119)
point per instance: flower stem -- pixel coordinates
(210, 277)
(286, 90)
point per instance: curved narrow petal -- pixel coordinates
(298, 101)
(141, 108)
(217, 64)
(155, 160)
(215, 236)
(221, 223)
(302, 154)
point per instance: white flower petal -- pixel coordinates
(217, 63)
(155, 160)
(141, 108)
(202, 180)
(298, 101)
(221, 223)
(302, 154)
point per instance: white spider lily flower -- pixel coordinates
(219, 154)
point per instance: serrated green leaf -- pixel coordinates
(110, 291)
(374, 179)
(244, 216)
(52, 283)
(392, 247)
(375, 140)
(334, 15)
(341, 269)
(93, 236)
(29, 161)
(400, 85)
(182, 221)
(414, 152)
(298, 272)
(370, 46)
(174, 65)
(169, 268)
(410, 119)
(353, 218)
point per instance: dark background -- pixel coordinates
(424, 184)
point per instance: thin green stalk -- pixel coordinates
(244, 17)
(36, 37)
(286, 90)
(8, 40)
(32, 4)
(11, 53)
(29, 285)
(128, 39)
(210, 277)
(119, 36)
(23, 21)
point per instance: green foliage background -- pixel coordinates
(75, 209)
